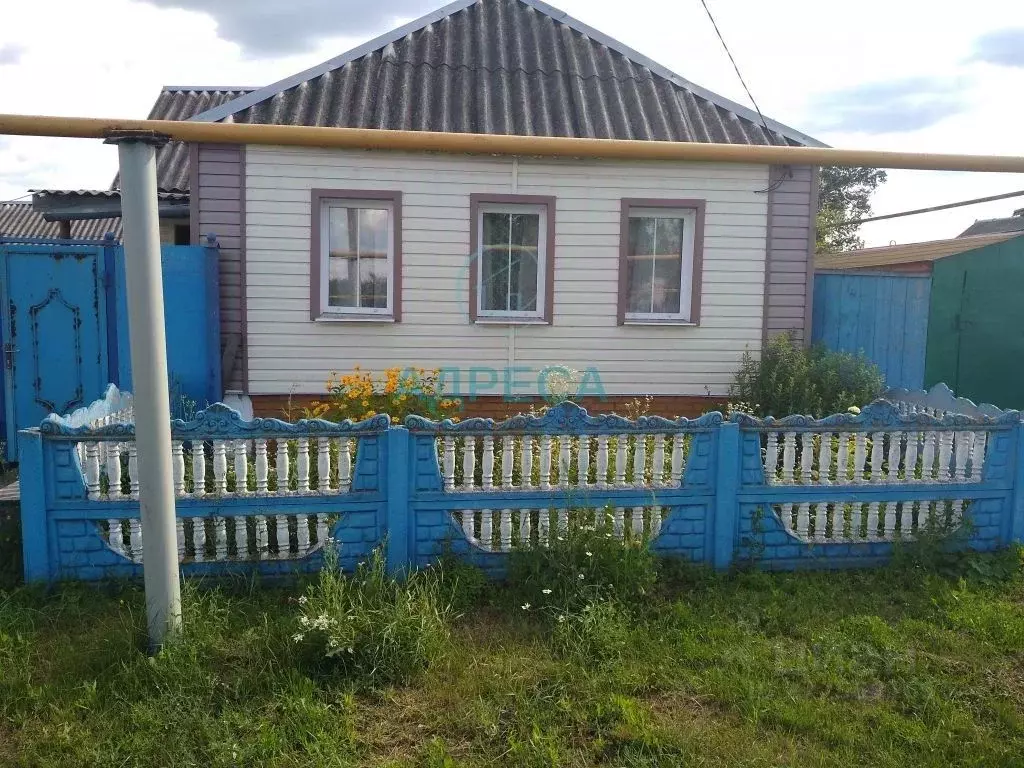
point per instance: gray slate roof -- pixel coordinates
(504, 67)
(18, 219)
(1013, 223)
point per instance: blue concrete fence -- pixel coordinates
(265, 495)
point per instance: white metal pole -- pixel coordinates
(137, 154)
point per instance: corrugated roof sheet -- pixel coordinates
(1013, 223)
(174, 195)
(18, 219)
(909, 253)
(181, 103)
(504, 67)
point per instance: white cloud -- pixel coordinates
(110, 57)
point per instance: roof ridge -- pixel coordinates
(558, 16)
(207, 88)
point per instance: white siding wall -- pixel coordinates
(289, 352)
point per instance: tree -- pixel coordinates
(844, 196)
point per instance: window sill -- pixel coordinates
(683, 323)
(354, 318)
(510, 321)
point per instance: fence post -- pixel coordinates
(400, 526)
(34, 525)
(727, 485)
(1016, 511)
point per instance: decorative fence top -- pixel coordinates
(938, 400)
(880, 415)
(115, 407)
(565, 418)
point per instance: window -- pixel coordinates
(512, 242)
(660, 267)
(355, 263)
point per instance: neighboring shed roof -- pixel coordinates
(504, 67)
(18, 219)
(910, 253)
(177, 102)
(1013, 223)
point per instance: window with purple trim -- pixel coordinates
(659, 263)
(358, 257)
(513, 254)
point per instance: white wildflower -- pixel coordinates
(298, 637)
(303, 600)
(561, 618)
(350, 650)
(526, 606)
(590, 554)
(546, 591)
(580, 577)
(304, 621)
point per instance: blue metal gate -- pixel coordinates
(54, 329)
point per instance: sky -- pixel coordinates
(878, 74)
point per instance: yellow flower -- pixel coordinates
(366, 403)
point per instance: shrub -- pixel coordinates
(811, 381)
(586, 564)
(398, 393)
(371, 627)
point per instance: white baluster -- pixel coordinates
(677, 459)
(179, 534)
(856, 520)
(505, 532)
(321, 529)
(487, 528)
(508, 461)
(601, 480)
(658, 462)
(655, 521)
(860, 447)
(978, 455)
(931, 440)
(262, 538)
(825, 458)
(803, 520)
(114, 471)
(135, 540)
(524, 526)
(622, 445)
(220, 467)
(892, 473)
(789, 519)
(220, 543)
(302, 466)
(545, 462)
(262, 467)
(910, 457)
(563, 521)
(889, 521)
(564, 460)
(115, 536)
(877, 456)
(771, 458)
(302, 534)
(469, 523)
(640, 462)
(906, 518)
(241, 539)
(345, 465)
(806, 457)
(199, 538)
(583, 463)
(284, 545)
(92, 470)
(843, 459)
(178, 467)
(962, 444)
(448, 443)
(323, 465)
(945, 456)
(544, 527)
(636, 519)
(873, 520)
(241, 468)
(821, 521)
(198, 468)
(788, 458)
(487, 467)
(282, 466)
(469, 463)
(526, 462)
(133, 471)
(618, 522)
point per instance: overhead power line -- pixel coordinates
(943, 207)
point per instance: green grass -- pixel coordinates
(897, 667)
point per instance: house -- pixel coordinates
(1014, 223)
(655, 277)
(19, 219)
(943, 311)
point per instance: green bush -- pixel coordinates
(790, 378)
(371, 627)
(584, 565)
